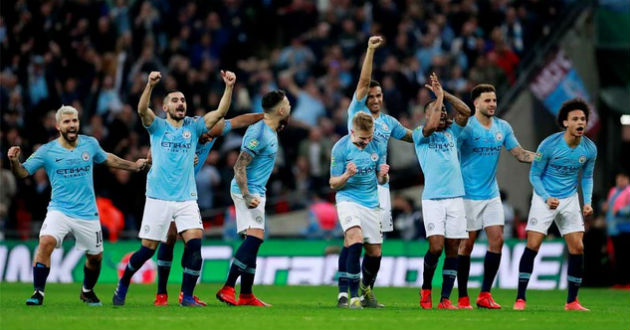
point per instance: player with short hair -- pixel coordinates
(171, 189)
(554, 176)
(357, 164)
(442, 204)
(68, 161)
(251, 173)
(368, 98)
(165, 251)
(480, 145)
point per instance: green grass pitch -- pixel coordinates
(303, 307)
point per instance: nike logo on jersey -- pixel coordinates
(58, 159)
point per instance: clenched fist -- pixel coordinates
(14, 154)
(229, 78)
(351, 169)
(154, 78)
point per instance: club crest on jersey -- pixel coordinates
(253, 144)
(582, 159)
(385, 127)
(374, 156)
(85, 156)
(498, 136)
(447, 134)
(186, 134)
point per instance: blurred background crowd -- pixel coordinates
(95, 56)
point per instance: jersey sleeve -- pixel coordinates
(337, 161)
(200, 125)
(355, 106)
(227, 127)
(382, 155)
(509, 141)
(398, 130)
(253, 140)
(418, 137)
(465, 134)
(156, 126)
(538, 167)
(36, 160)
(587, 178)
(456, 130)
(99, 154)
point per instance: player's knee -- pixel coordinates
(577, 248)
(466, 247)
(47, 244)
(436, 249)
(94, 260)
(496, 244)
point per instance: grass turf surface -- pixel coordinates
(303, 307)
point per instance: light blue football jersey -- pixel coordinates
(172, 175)
(203, 149)
(70, 173)
(555, 169)
(361, 187)
(261, 142)
(438, 157)
(385, 126)
(479, 149)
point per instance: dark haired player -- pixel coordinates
(251, 173)
(554, 175)
(480, 146)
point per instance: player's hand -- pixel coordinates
(375, 42)
(154, 78)
(587, 210)
(553, 203)
(196, 161)
(229, 78)
(142, 164)
(251, 201)
(383, 170)
(351, 169)
(14, 154)
(435, 85)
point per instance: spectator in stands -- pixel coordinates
(617, 208)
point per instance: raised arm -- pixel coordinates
(460, 106)
(522, 155)
(366, 70)
(16, 167)
(211, 118)
(146, 114)
(237, 122)
(436, 107)
(117, 162)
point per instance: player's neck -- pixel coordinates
(375, 114)
(173, 122)
(483, 119)
(67, 144)
(571, 140)
(272, 122)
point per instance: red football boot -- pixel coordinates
(464, 303)
(425, 299)
(485, 301)
(575, 306)
(227, 295)
(446, 304)
(161, 300)
(251, 300)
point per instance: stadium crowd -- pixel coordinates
(95, 55)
